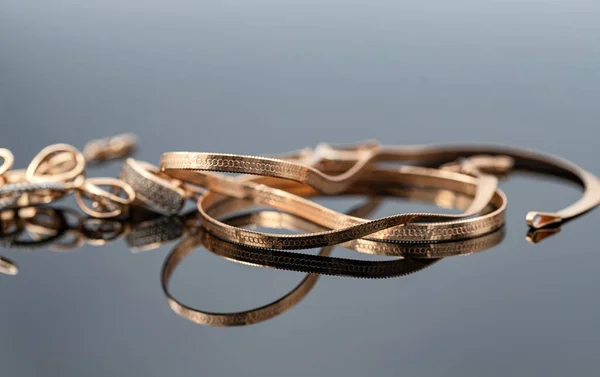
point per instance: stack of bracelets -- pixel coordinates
(145, 205)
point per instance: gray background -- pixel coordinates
(265, 77)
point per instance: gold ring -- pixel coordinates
(159, 194)
(106, 204)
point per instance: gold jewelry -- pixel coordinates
(523, 159)
(107, 204)
(313, 264)
(59, 169)
(160, 194)
(256, 315)
(179, 164)
(44, 159)
(263, 194)
(347, 228)
(356, 269)
(188, 166)
(66, 229)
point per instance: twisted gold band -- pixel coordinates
(266, 312)
(313, 264)
(359, 157)
(344, 228)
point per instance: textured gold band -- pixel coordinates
(344, 228)
(313, 264)
(358, 158)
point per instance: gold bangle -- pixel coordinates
(179, 164)
(160, 194)
(188, 166)
(346, 228)
(277, 307)
(154, 232)
(265, 166)
(65, 229)
(356, 269)
(523, 159)
(282, 220)
(315, 265)
(260, 192)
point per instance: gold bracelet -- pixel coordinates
(161, 194)
(313, 264)
(347, 228)
(262, 313)
(462, 157)
(393, 268)
(358, 158)
(189, 167)
(260, 192)
(333, 220)
(151, 233)
(302, 262)
(64, 229)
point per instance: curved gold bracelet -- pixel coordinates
(323, 182)
(248, 317)
(345, 228)
(311, 264)
(315, 265)
(160, 194)
(178, 164)
(523, 159)
(154, 232)
(355, 268)
(191, 167)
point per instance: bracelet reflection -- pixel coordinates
(65, 229)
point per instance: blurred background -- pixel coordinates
(264, 77)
